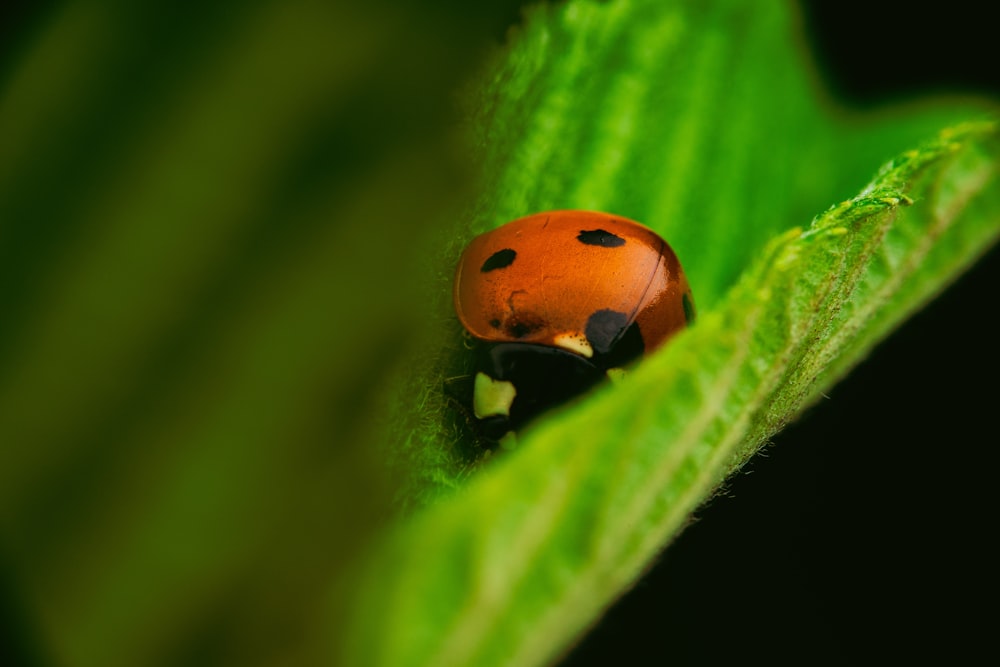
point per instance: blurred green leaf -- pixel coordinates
(209, 219)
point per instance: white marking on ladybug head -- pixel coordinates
(575, 343)
(492, 398)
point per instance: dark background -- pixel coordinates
(866, 531)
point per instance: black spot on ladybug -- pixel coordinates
(628, 348)
(688, 308)
(519, 329)
(498, 260)
(601, 238)
(603, 328)
(495, 323)
(523, 324)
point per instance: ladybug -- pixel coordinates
(555, 302)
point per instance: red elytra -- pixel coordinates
(575, 280)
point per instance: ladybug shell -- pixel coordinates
(575, 280)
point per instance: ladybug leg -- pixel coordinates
(616, 375)
(508, 441)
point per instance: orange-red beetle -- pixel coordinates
(560, 299)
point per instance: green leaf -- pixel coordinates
(529, 553)
(701, 122)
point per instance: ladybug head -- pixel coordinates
(515, 382)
